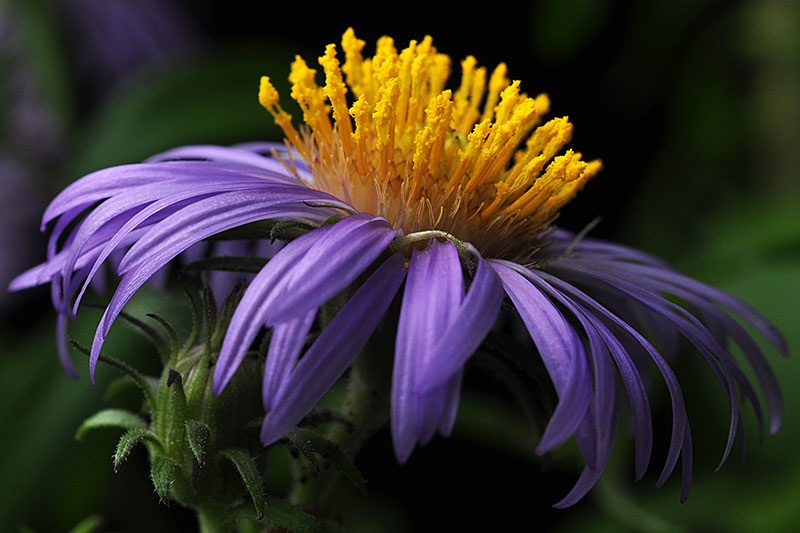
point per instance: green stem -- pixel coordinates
(210, 520)
(366, 408)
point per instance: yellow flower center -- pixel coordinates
(423, 157)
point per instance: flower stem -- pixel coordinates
(210, 519)
(365, 409)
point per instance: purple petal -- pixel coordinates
(679, 417)
(714, 355)
(224, 154)
(637, 395)
(560, 349)
(181, 230)
(432, 295)
(285, 346)
(63, 349)
(301, 277)
(250, 314)
(338, 258)
(466, 330)
(335, 349)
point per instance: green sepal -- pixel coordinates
(520, 389)
(116, 386)
(171, 421)
(198, 434)
(130, 439)
(334, 454)
(195, 318)
(162, 470)
(287, 230)
(526, 361)
(210, 315)
(155, 337)
(142, 381)
(245, 264)
(253, 231)
(250, 476)
(299, 441)
(118, 418)
(228, 307)
(173, 335)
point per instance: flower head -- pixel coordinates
(415, 193)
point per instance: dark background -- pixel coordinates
(694, 107)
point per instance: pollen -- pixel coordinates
(386, 135)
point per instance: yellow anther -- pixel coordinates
(268, 97)
(335, 90)
(461, 97)
(406, 63)
(509, 99)
(384, 122)
(467, 157)
(430, 140)
(311, 99)
(267, 94)
(497, 82)
(428, 158)
(353, 64)
(364, 132)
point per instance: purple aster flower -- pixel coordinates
(422, 197)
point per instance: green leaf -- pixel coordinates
(282, 514)
(89, 524)
(162, 470)
(130, 439)
(250, 476)
(332, 452)
(198, 435)
(246, 264)
(111, 418)
(278, 513)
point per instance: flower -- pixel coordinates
(424, 195)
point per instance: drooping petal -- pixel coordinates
(722, 365)
(433, 293)
(275, 169)
(712, 315)
(561, 351)
(335, 349)
(637, 395)
(679, 418)
(285, 346)
(251, 313)
(302, 276)
(473, 319)
(181, 230)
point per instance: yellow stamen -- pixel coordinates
(428, 158)
(335, 90)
